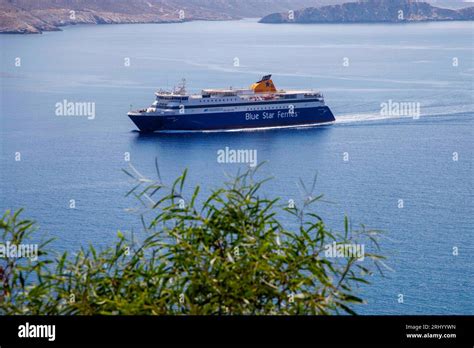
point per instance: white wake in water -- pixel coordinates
(365, 117)
(368, 117)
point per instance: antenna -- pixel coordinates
(181, 88)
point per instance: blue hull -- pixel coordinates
(234, 120)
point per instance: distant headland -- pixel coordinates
(33, 17)
(372, 11)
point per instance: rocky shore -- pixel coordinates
(369, 11)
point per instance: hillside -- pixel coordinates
(27, 16)
(392, 11)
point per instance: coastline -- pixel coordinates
(16, 20)
(59, 27)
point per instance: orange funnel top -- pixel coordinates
(265, 85)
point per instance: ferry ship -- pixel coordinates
(261, 106)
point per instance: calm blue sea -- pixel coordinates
(390, 158)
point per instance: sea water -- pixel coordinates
(399, 157)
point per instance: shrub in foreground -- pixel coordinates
(228, 254)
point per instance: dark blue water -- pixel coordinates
(390, 158)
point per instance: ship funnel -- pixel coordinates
(265, 85)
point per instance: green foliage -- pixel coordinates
(229, 254)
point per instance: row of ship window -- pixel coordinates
(218, 100)
(267, 108)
